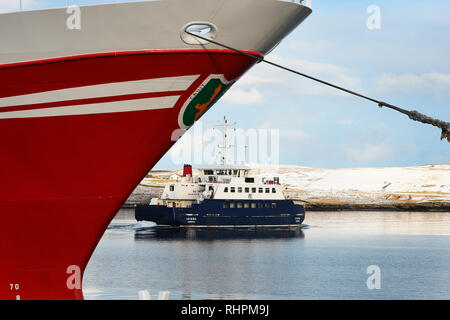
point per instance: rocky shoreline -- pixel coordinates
(426, 207)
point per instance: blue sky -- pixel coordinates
(406, 62)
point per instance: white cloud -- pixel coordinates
(428, 83)
(310, 66)
(264, 76)
(315, 46)
(293, 134)
(239, 96)
(301, 65)
(346, 122)
(439, 78)
(259, 77)
(405, 80)
(369, 153)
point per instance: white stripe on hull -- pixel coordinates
(103, 90)
(97, 108)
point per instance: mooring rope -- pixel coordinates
(413, 115)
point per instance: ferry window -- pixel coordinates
(232, 189)
(239, 205)
(225, 189)
(253, 205)
(253, 190)
(246, 205)
(267, 205)
(231, 204)
(235, 172)
(260, 190)
(260, 205)
(247, 190)
(274, 190)
(250, 180)
(172, 188)
(267, 190)
(240, 189)
(230, 172)
(208, 172)
(274, 205)
(225, 205)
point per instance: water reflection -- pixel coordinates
(326, 259)
(211, 234)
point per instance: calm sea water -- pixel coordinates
(327, 259)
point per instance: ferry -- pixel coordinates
(222, 196)
(91, 98)
(225, 195)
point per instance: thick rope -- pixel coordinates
(413, 115)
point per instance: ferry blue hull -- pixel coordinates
(225, 213)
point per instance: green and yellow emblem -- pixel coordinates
(208, 93)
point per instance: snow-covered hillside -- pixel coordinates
(384, 187)
(391, 185)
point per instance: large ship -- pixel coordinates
(90, 99)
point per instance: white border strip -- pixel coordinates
(97, 108)
(103, 90)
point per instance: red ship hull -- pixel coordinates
(63, 177)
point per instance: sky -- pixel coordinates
(405, 62)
